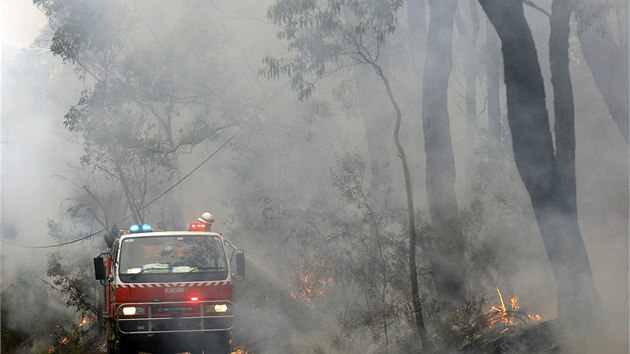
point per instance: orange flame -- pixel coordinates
(311, 289)
(501, 314)
(85, 320)
(241, 351)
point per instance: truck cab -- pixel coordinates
(168, 292)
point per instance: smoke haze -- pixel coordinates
(288, 188)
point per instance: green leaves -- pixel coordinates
(87, 33)
(148, 97)
(327, 35)
(75, 285)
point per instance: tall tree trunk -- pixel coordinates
(533, 149)
(448, 264)
(622, 27)
(608, 64)
(471, 72)
(413, 270)
(416, 16)
(492, 90)
(417, 23)
(564, 126)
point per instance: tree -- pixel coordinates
(607, 60)
(149, 100)
(533, 149)
(373, 268)
(470, 63)
(440, 165)
(492, 90)
(319, 37)
(564, 126)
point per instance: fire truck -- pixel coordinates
(168, 291)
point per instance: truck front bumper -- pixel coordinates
(174, 317)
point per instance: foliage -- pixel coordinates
(75, 285)
(326, 36)
(376, 253)
(41, 324)
(73, 281)
(97, 27)
(147, 101)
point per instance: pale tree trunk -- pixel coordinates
(492, 90)
(416, 16)
(578, 302)
(417, 23)
(448, 262)
(470, 68)
(622, 27)
(607, 61)
(564, 126)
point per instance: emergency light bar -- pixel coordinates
(135, 228)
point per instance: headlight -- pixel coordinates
(129, 311)
(220, 308)
(133, 311)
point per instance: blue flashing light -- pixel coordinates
(135, 228)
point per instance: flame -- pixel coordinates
(65, 341)
(85, 320)
(501, 314)
(310, 289)
(241, 351)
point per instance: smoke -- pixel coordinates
(272, 189)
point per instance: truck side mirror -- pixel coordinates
(240, 264)
(99, 269)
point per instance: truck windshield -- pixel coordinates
(172, 259)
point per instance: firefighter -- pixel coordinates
(207, 219)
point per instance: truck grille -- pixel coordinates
(161, 317)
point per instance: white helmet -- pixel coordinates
(207, 218)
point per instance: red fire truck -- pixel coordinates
(168, 292)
